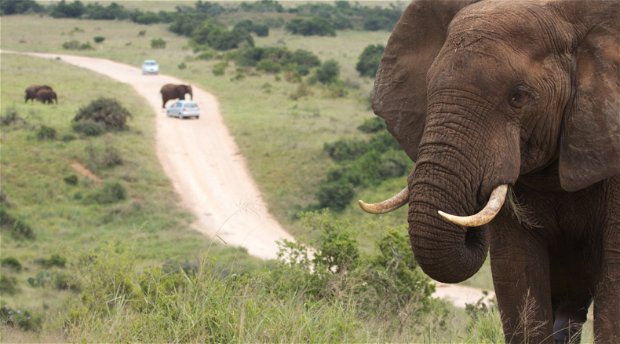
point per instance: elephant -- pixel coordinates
(170, 91)
(32, 90)
(517, 99)
(46, 96)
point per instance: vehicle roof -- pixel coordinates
(149, 61)
(186, 101)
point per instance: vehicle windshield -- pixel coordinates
(150, 63)
(191, 105)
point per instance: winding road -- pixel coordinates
(203, 162)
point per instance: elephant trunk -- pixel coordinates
(447, 252)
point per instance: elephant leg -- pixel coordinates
(520, 267)
(607, 299)
(569, 320)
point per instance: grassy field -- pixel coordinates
(33, 173)
(281, 139)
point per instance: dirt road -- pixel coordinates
(208, 172)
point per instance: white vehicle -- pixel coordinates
(150, 67)
(183, 109)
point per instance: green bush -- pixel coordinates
(65, 10)
(376, 23)
(336, 89)
(158, 43)
(71, 45)
(89, 127)
(335, 195)
(12, 263)
(54, 260)
(23, 320)
(267, 65)
(85, 46)
(182, 66)
(98, 39)
(8, 284)
(9, 7)
(301, 91)
(6, 220)
(22, 231)
(141, 33)
(71, 179)
(219, 68)
(207, 55)
(42, 279)
(369, 60)
(110, 192)
(328, 72)
(67, 137)
(105, 112)
(249, 26)
(305, 58)
(46, 133)
(11, 116)
(372, 125)
(316, 26)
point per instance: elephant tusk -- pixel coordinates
(498, 196)
(388, 205)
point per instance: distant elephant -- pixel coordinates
(491, 98)
(46, 96)
(32, 90)
(170, 92)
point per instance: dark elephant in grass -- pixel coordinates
(46, 96)
(31, 91)
(518, 98)
(170, 92)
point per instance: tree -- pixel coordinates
(369, 60)
(328, 72)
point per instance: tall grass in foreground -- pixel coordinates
(331, 294)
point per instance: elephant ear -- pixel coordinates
(399, 93)
(590, 141)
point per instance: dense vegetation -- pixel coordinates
(200, 22)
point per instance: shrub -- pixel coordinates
(305, 58)
(302, 90)
(71, 180)
(219, 68)
(54, 260)
(369, 60)
(335, 195)
(67, 137)
(42, 279)
(11, 117)
(372, 125)
(316, 26)
(158, 43)
(12, 263)
(9, 7)
(336, 89)
(105, 112)
(182, 65)
(376, 23)
(98, 39)
(71, 45)
(110, 192)
(207, 55)
(22, 231)
(65, 10)
(8, 284)
(89, 127)
(328, 72)
(267, 65)
(46, 133)
(6, 220)
(85, 46)
(141, 33)
(23, 320)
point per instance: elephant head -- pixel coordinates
(483, 93)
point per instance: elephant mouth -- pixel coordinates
(491, 209)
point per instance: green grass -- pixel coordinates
(281, 139)
(33, 171)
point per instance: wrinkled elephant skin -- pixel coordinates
(524, 93)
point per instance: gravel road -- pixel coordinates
(204, 164)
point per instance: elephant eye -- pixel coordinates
(518, 97)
